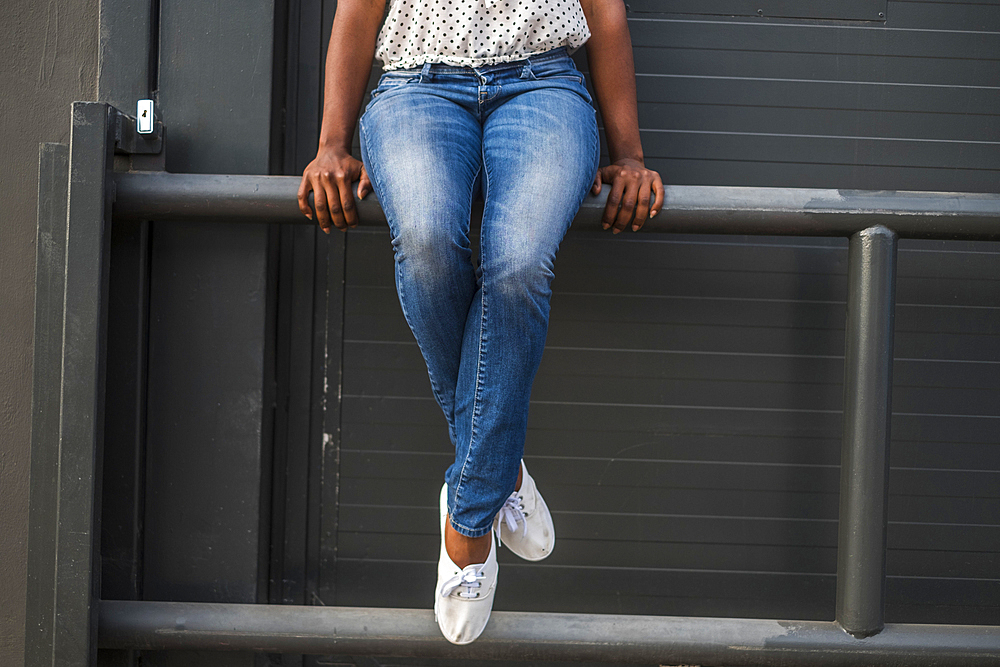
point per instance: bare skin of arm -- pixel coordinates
(612, 72)
(349, 59)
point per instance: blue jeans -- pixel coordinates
(524, 136)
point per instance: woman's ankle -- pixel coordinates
(464, 551)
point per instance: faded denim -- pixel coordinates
(523, 136)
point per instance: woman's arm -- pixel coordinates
(609, 54)
(348, 63)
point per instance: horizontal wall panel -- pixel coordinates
(645, 554)
(671, 551)
(806, 173)
(914, 507)
(395, 493)
(691, 419)
(592, 536)
(941, 104)
(942, 563)
(806, 394)
(760, 339)
(865, 149)
(783, 120)
(917, 68)
(651, 473)
(774, 39)
(844, 10)
(648, 473)
(946, 15)
(638, 442)
(681, 419)
(403, 359)
(939, 107)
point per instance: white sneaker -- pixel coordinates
(463, 598)
(524, 523)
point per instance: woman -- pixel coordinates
(480, 97)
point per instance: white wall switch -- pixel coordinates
(144, 116)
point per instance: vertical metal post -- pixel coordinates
(50, 269)
(74, 638)
(864, 469)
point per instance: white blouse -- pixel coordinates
(473, 33)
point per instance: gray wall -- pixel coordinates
(49, 51)
(686, 420)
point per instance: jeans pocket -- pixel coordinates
(561, 73)
(560, 68)
(394, 79)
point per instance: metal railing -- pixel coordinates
(63, 551)
(690, 209)
(537, 636)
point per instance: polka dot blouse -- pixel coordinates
(473, 33)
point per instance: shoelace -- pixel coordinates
(469, 578)
(511, 513)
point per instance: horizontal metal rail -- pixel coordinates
(537, 636)
(689, 209)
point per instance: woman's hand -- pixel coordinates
(348, 63)
(636, 193)
(329, 178)
(609, 56)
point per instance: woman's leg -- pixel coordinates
(540, 152)
(422, 153)
(422, 148)
(481, 333)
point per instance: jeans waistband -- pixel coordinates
(442, 68)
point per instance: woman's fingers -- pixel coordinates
(614, 201)
(630, 197)
(596, 187)
(319, 201)
(340, 199)
(660, 194)
(348, 209)
(305, 187)
(364, 184)
(333, 202)
(644, 198)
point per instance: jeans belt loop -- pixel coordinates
(425, 73)
(526, 72)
